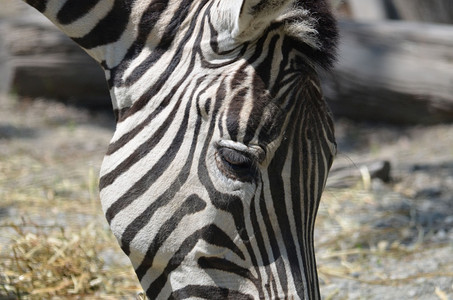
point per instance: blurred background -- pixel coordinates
(385, 225)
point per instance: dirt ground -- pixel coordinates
(374, 240)
(397, 236)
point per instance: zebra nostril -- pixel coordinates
(236, 164)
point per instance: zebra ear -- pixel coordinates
(247, 18)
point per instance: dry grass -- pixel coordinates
(42, 262)
(61, 246)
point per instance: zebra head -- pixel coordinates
(223, 143)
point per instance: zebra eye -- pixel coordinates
(236, 164)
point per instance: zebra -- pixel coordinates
(223, 140)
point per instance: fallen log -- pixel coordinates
(432, 11)
(367, 10)
(388, 71)
(5, 66)
(437, 11)
(393, 71)
(350, 175)
(42, 62)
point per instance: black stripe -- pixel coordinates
(190, 206)
(224, 265)
(305, 159)
(264, 68)
(118, 144)
(213, 235)
(280, 207)
(258, 49)
(310, 182)
(234, 112)
(217, 237)
(205, 63)
(110, 28)
(163, 78)
(118, 113)
(288, 78)
(261, 96)
(272, 126)
(208, 292)
(147, 23)
(135, 226)
(264, 5)
(148, 179)
(73, 10)
(237, 101)
(186, 247)
(166, 41)
(142, 150)
(189, 243)
(115, 146)
(220, 124)
(297, 176)
(260, 100)
(241, 11)
(260, 243)
(279, 264)
(40, 5)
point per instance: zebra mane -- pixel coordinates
(310, 23)
(313, 28)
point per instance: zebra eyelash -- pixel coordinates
(238, 161)
(236, 165)
(256, 152)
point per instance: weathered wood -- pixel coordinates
(368, 10)
(45, 63)
(433, 11)
(393, 71)
(5, 67)
(350, 175)
(437, 11)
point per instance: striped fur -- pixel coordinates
(223, 143)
